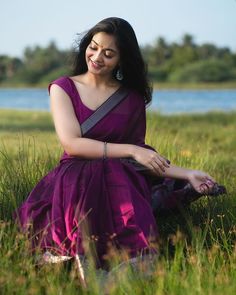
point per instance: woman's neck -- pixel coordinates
(98, 81)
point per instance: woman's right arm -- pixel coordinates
(69, 131)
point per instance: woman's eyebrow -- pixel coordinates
(110, 49)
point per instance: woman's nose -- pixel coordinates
(97, 55)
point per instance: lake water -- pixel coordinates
(164, 101)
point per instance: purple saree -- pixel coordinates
(108, 196)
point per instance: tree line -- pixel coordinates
(185, 61)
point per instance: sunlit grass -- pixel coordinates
(197, 247)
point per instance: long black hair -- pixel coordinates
(132, 65)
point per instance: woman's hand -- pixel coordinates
(201, 181)
(151, 159)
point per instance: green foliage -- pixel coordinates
(211, 70)
(54, 74)
(184, 61)
(188, 62)
(9, 67)
(39, 64)
(183, 55)
(158, 73)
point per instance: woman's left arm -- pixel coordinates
(158, 165)
(201, 181)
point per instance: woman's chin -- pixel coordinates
(94, 70)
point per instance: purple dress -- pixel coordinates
(108, 198)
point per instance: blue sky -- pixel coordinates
(28, 22)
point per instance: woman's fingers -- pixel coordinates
(163, 161)
(202, 182)
(158, 165)
(211, 179)
(204, 188)
(208, 184)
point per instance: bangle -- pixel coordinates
(105, 151)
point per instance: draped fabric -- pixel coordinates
(104, 200)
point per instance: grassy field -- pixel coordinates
(198, 246)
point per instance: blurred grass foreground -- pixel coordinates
(198, 246)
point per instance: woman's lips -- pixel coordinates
(95, 65)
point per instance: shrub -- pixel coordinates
(204, 71)
(158, 73)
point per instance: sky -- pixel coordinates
(29, 23)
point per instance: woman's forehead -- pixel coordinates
(105, 40)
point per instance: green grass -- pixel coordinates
(197, 247)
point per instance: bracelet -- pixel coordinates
(105, 151)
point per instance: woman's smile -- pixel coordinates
(95, 65)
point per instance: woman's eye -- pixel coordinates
(108, 55)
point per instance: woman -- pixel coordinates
(92, 194)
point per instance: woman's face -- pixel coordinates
(102, 55)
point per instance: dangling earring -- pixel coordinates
(119, 75)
